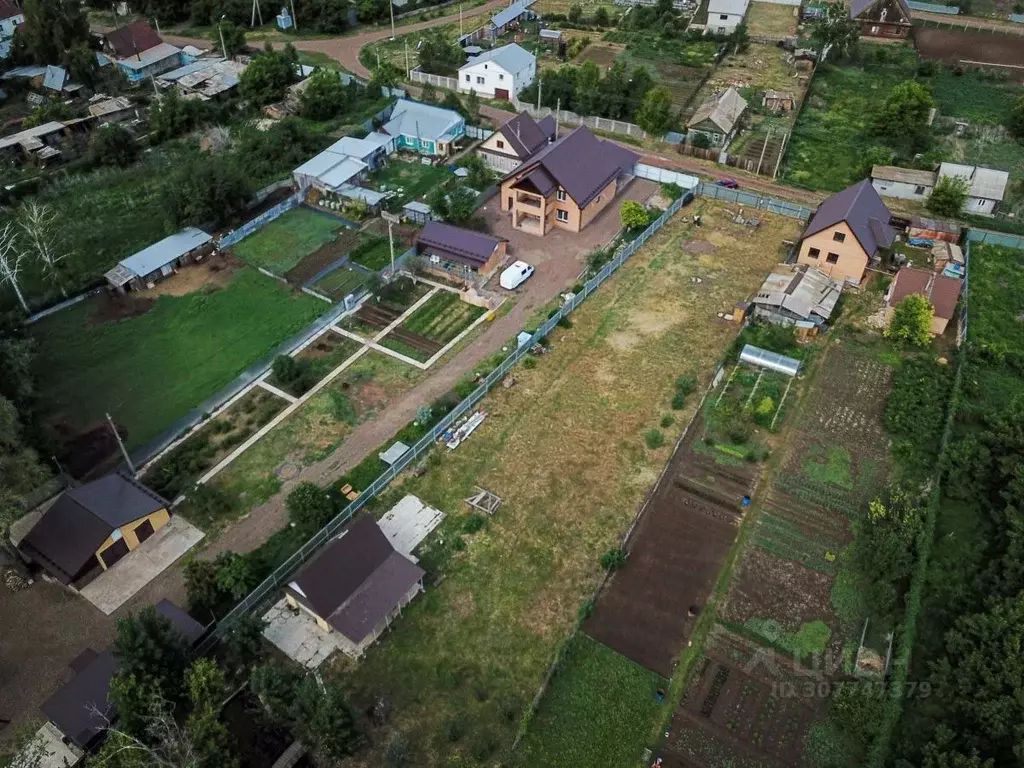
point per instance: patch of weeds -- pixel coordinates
(836, 470)
(667, 420)
(685, 386)
(342, 409)
(612, 559)
(530, 362)
(654, 438)
(473, 522)
(810, 639)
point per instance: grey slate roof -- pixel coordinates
(510, 14)
(412, 118)
(151, 258)
(526, 135)
(69, 533)
(723, 110)
(466, 246)
(511, 58)
(986, 183)
(80, 708)
(356, 580)
(863, 210)
(800, 290)
(582, 164)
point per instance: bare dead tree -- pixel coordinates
(42, 240)
(168, 744)
(10, 262)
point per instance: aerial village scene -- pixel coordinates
(511, 383)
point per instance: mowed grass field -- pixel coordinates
(564, 448)
(411, 181)
(770, 20)
(287, 240)
(149, 370)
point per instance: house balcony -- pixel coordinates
(530, 200)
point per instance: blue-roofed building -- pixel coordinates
(510, 17)
(498, 73)
(159, 260)
(140, 52)
(424, 129)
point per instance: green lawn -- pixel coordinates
(412, 181)
(374, 253)
(151, 369)
(286, 241)
(597, 712)
(341, 282)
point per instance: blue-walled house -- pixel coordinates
(425, 129)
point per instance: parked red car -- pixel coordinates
(730, 183)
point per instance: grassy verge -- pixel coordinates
(151, 369)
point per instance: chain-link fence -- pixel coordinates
(283, 573)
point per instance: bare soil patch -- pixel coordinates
(958, 45)
(601, 53)
(111, 307)
(213, 272)
(326, 255)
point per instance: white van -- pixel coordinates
(515, 275)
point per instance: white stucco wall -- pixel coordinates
(486, 76)
(900, 189)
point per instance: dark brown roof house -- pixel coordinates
(81, 709)
(466, 251)
(526, 135)
(356, 585)
(132, 40)
(941, 291)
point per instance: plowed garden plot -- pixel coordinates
(443, 317)
(377, 315)
(323, 257)
(675, 554)
(958, 45)
(341, 282)
(601, 53)
(737, 711)
(682, 82)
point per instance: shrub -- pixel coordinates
(612, 559)
(530, 363)
(686, 384)
(342, 409)
(310, 507)
(678, 401)
(473, 522)
(455, 730)
(672, 191)
(586, 610)
(654, 438)
(668, 420)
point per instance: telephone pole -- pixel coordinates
(124, 453)
(391, 6)
(295, 19)
(391, 243)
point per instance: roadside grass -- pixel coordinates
(287, 240)
(560, 449)
(443, 317)
(341, 282)
(149, 370)
(320, 425)
(410, 181)
(596, 712)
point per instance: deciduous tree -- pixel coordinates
(656, 115)
(233, 37)
(11, 259)
(52, 27)
(902, 118)
(42, 239)
(268, 75)
(948, 197)
(310, 507)
(633, 215)
(835, 32)
(912, 321)
(113, 144)
(324, 96)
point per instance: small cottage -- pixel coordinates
(717, 118)
(152, 264)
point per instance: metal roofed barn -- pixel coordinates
(157, 260)
(773, 361)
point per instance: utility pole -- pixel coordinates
(460, 19)
(391, 6)
(408, 72)
(391, 243)
(763, 148)
(220, 28)
(295, 19)
(124, 453)
(256, 10)
(377, 51)
(540, 88)
(558, 114)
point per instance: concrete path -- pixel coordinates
(112, 589)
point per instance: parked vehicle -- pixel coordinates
(728, 183)
(515, 275)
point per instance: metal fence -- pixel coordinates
(995, 238)
(665, 176)
(769, 204)
(563, 116)
(478, 133)
(264, 218)
(950, 10)
(283, 573)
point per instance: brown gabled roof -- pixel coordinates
(943, 292)
(525, 135)
(9, 9)
(465, 245)
(356, 580)
(132, 39)
(581, 163)
(69, 533)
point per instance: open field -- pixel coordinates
(410, 181)
(564, 449)
(955, 46)
(770, 20)
(601, 53)
(287, 240)
(835, 128)
(148, 361)
(600, 704)
(357, 395)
